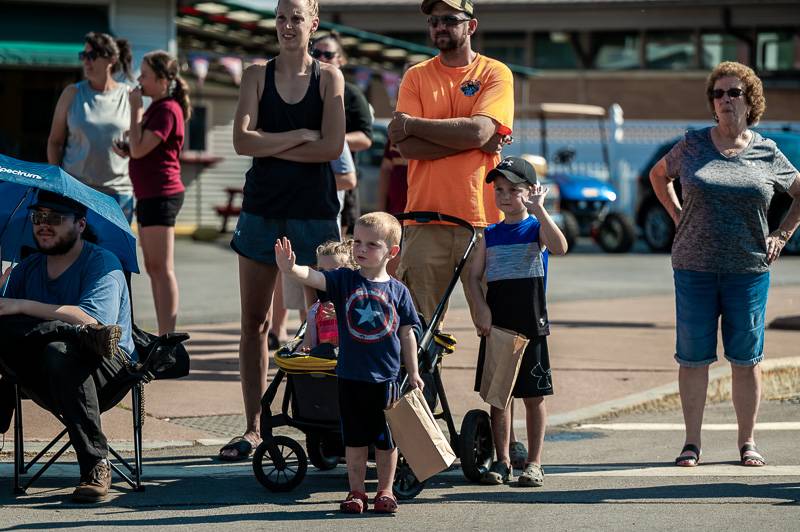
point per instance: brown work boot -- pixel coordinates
(94, 486)
(99, 340)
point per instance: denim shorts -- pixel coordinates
(255, 237)
(702, 298)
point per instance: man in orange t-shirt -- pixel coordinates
(454, 113)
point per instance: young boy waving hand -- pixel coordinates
(375, 318)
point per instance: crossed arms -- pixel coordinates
(299, 145)
(427, 138)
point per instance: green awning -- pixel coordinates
(45, 54)
(47, 35)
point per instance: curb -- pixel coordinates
(780, 377)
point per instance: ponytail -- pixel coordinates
(166, 67)
(125, 59)
(181, 94)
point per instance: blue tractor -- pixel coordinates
(586, 202)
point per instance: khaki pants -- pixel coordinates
(429, 257)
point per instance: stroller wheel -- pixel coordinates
(476, 447)
(280, 464)
(406, 486)
(321, 451)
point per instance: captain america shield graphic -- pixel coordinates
(370, 315)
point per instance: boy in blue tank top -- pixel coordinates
(510, 256)
(375, 317)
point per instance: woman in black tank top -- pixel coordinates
(290, 119)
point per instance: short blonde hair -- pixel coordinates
(753, 89)
(341, 250)
(386, 225)
(312, 7)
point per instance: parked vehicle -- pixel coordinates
(586, 202)
(657, 227)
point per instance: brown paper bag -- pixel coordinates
(418, 436)
(501, 363)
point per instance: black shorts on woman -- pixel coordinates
(287, 198)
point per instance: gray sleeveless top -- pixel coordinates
(94, 120)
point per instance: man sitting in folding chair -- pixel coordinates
(76, 282)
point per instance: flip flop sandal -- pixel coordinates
(355, 503)
(750, 457)
(241, 445)
(385, 503)
(685, 460)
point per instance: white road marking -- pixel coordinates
(650, 427)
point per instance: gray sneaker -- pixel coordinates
(499, 473)
(518, 454)
(532, 476)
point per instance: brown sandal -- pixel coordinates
(385, 503)
(355, 503)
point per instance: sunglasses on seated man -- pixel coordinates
(319, 54)
(446, 20)
(49, 218)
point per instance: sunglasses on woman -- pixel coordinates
(48, 218)
(319, 54)
(733, 93)
(446, 20)
(91, 55)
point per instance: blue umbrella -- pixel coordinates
(20, 182)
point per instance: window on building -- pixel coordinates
(616, 51)
(718, 47)
(776, 50)
(505, 47)
(197, 129)
(670, 51)
(553, 51)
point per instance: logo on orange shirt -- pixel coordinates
(471, 87)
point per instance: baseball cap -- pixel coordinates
(58, 203)
(462, 5)
(516, 170)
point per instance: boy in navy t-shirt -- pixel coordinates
(375, 319)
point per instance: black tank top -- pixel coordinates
(280, 189)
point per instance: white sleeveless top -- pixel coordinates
(94, 120)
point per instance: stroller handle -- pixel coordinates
(424, 217)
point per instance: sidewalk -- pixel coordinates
(607, 352)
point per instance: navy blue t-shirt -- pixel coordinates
(369, 316)
(94, 283)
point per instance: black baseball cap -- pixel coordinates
(58, 203)
(516, 170)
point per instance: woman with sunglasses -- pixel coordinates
(290, 119)
(357, 117)
(91, 116)
(722, 250)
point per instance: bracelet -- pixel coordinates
(783, 235)
(404, 127)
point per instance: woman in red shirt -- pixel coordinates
(156, 139)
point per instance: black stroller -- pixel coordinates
(310, 404)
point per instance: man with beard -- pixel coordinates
(454, 113)
(77, 291)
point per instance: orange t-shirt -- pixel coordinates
(456, 185)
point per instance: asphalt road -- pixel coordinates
(597, 478)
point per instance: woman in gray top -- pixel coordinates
(722, 252)
(93, 114)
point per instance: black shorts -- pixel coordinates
(361, 406)
(534, 378)
(351, 210)
(159, 211)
